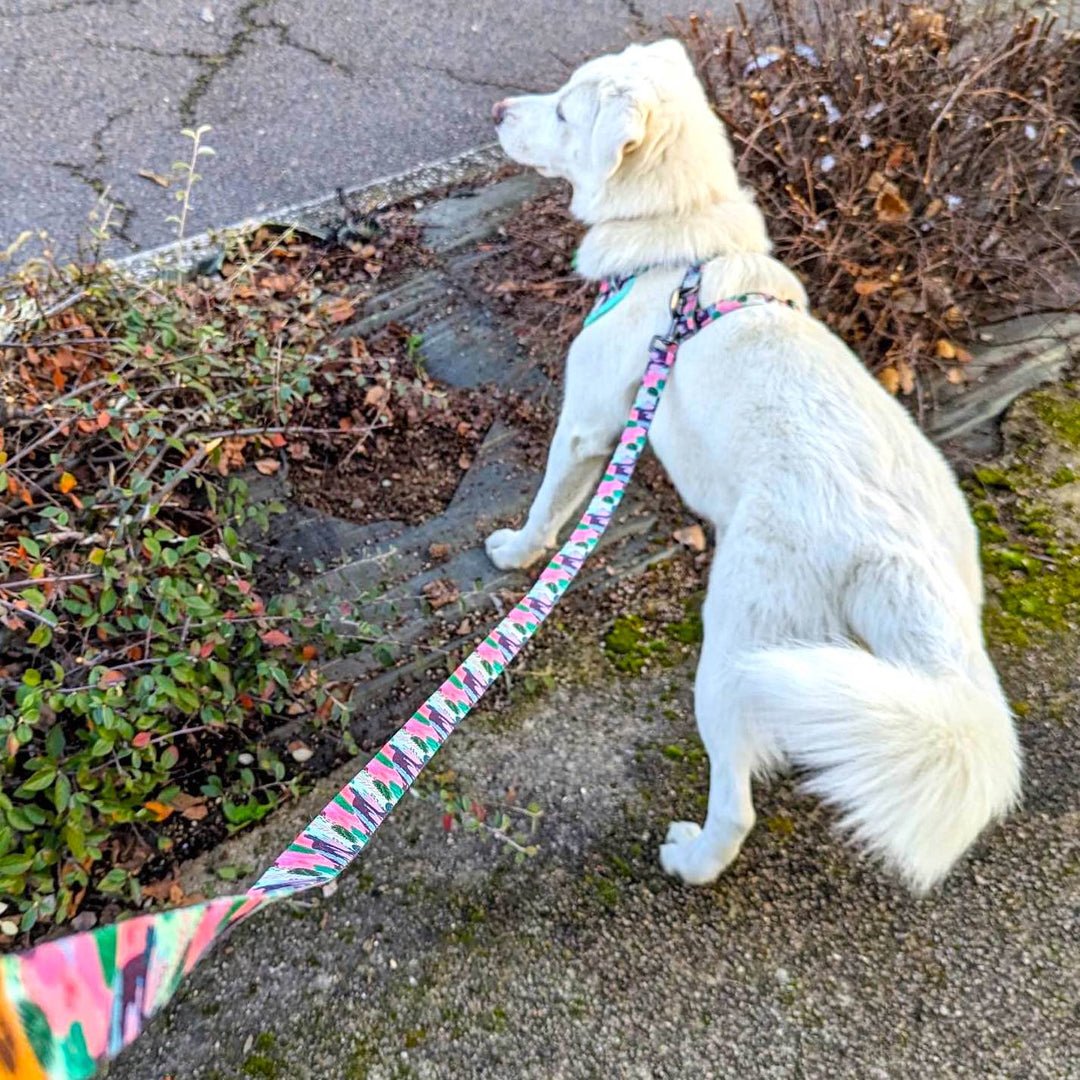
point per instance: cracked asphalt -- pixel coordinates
(304, 96)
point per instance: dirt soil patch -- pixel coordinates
(415, 438)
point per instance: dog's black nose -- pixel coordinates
(498, 112)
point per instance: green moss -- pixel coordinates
(630, 644)
(780, 825)
(607, 891)
(259, 1065)
(673, 752)
(994, 478)
(1063, 476)
(1060, 415)
(627, 646)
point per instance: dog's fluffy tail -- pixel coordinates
(918, 764)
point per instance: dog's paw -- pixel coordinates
(508, 550)
(681, 855)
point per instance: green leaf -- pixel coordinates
(62, 792)
(14, 865)
(35, 598)
(114, 881)
(30, 547)
(41, 636)
(54, 741)
(75, 840)
(40, 780)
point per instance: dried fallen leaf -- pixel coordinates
(868, 288)
(195, 810)
(945, 350)
(440, 593)
(438, 551)
(897, 155)
(278, 282)
(267, 466)
(907, 376)
(692, 537)
(889, 378)
(159, 890)
(339, 310)
(955, 376)
(890, 205)
(375, 395)
(67, 483)
(156, 178)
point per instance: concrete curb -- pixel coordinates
(181, 256)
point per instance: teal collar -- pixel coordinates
(612, 291)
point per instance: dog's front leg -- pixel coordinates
(574, 462)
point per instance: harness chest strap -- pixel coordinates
(67, 1006)
(692, 318)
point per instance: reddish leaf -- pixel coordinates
(275, 637)
(160, 811)
(141, 740)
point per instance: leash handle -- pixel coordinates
(69, 1005)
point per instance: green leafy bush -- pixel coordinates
(143, 659)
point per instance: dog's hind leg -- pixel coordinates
(753, 599)
(698, 854)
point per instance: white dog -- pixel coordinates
(842, 628)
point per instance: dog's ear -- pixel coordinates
(619, 126)
(670, 49)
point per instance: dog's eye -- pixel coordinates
(559, 114)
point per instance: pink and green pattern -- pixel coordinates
(67, 1006)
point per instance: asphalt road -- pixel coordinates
(304, 96)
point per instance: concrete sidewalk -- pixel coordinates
(304, 96)
(438, 957)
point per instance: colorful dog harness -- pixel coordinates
(67, 1006)
(613, 290)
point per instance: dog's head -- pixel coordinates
(633, 133)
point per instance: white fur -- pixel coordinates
(842, 622)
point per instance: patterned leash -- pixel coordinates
(67, 1006)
